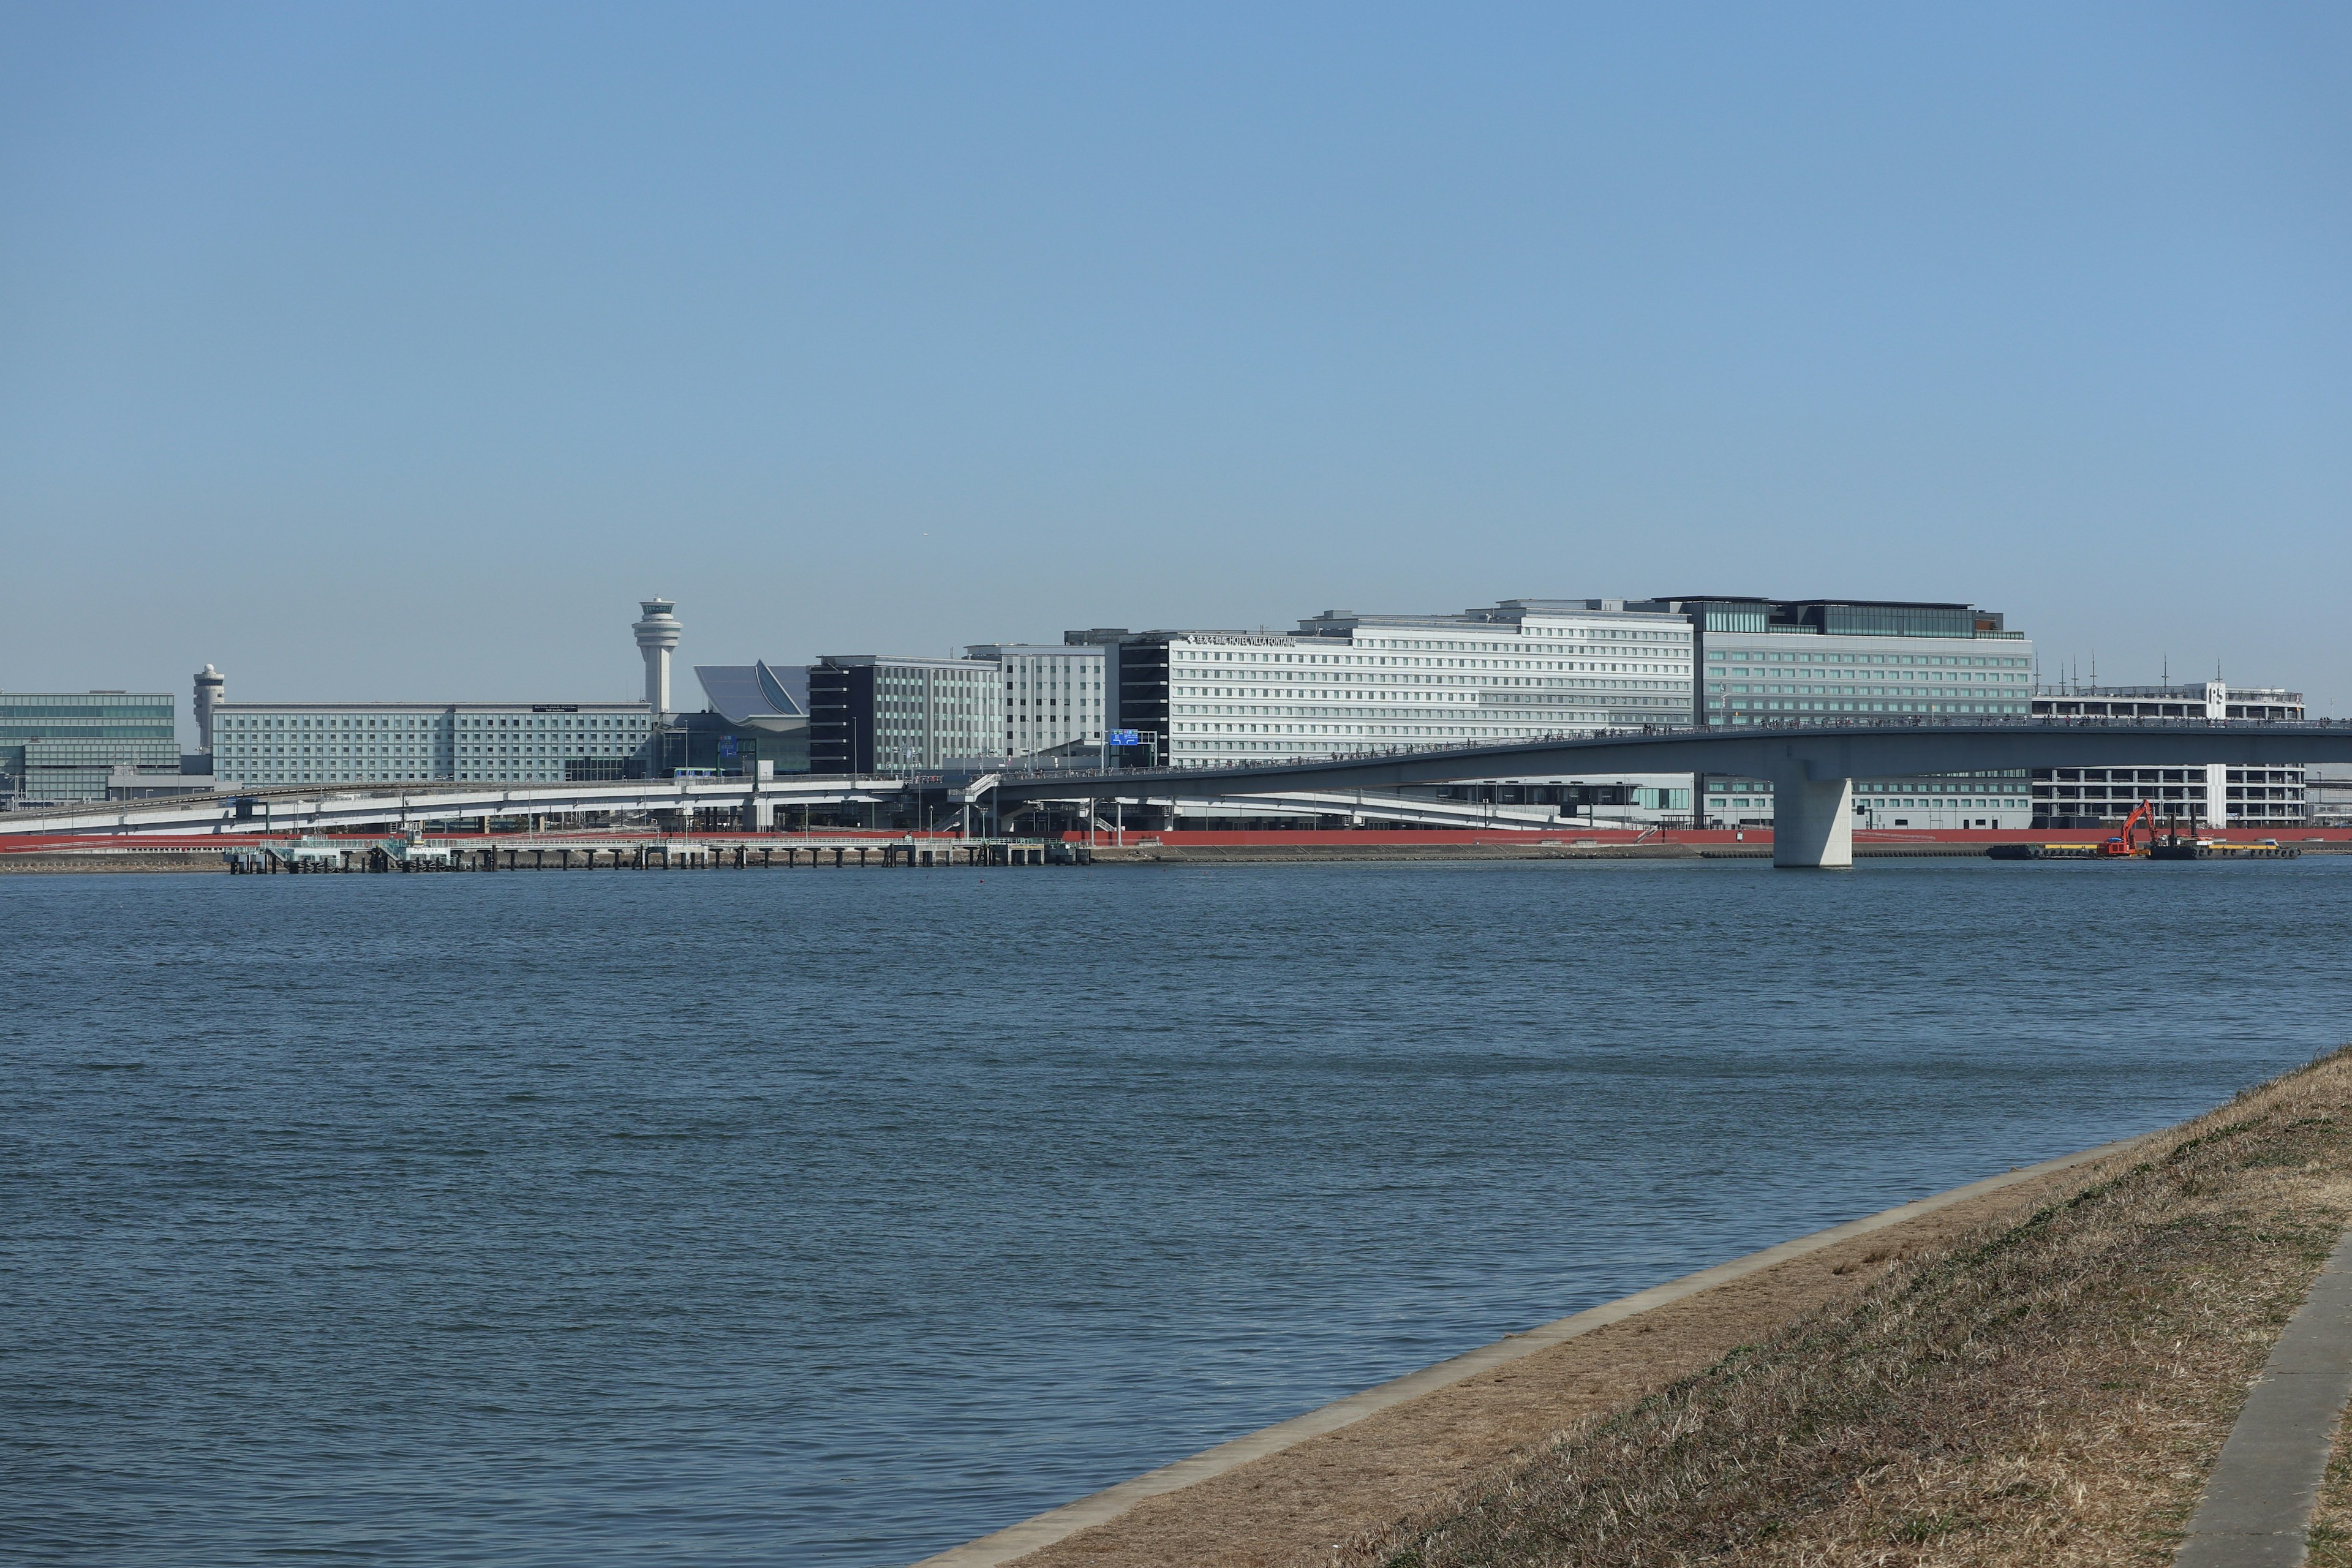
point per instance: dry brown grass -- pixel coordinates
(2331, 1521)
(2052, 1393)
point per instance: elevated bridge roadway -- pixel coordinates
(1371, 808)
(1811, 768)
(324, 808)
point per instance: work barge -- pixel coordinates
(316, 855)
(2168, 842)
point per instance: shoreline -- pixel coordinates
(1115, 1504)
(102, 862)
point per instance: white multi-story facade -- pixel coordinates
(270, 743)
(877, 712)
(2217, 794)
(1053, 694)
(1346, 683)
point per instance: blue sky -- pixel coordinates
(395, 352)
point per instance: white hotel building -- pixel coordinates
(1346, 683)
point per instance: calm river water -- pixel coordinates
(829, 1218)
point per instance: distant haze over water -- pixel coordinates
(830, 1219)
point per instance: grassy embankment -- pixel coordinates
(2049, 1393)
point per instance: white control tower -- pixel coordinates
(658, 633)
(212, 690)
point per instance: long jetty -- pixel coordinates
(314, 856)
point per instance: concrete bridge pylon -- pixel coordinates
(1812, 821)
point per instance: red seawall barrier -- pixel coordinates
(1882, 837)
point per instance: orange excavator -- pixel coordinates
(2123, 843)
(2126, 844)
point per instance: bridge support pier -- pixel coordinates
(1812, 821)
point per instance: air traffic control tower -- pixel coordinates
(212, 690)
(657, 635)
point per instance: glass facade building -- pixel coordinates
(69, 745)
(758, 714)
(1811, 661)
(1818, 660)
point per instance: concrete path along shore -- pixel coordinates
(2256, 1509)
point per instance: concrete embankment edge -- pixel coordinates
(202, 861)
(1045, 1529)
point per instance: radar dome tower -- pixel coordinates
(658, 633)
